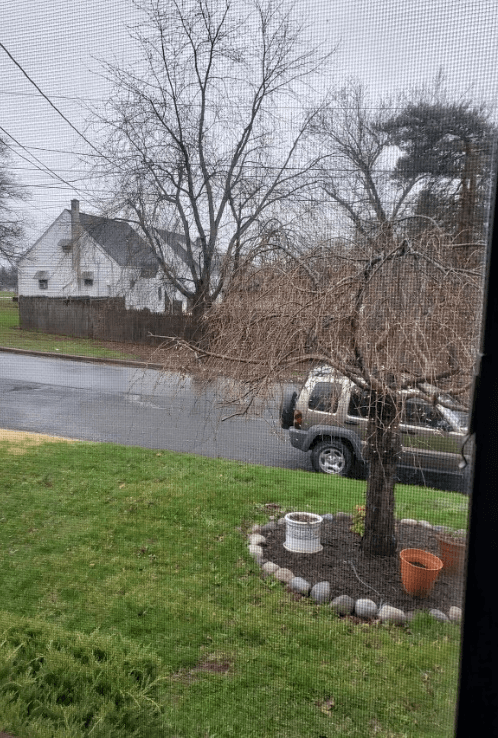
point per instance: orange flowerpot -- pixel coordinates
(419, 571)
(451, 553)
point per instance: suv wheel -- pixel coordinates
(332, 457)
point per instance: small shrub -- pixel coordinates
(358, 521)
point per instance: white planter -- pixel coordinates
(302, 533)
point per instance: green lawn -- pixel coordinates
(12, 337)
(130, 607)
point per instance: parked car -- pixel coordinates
(328, 417)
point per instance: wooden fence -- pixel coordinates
(102, 318)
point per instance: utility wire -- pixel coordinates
(48, 99)
(192, 105)
(45, 169)
(64, 151)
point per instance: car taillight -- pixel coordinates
(298, 418)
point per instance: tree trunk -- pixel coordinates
(383, 447)
(201, 300)
(200, 304)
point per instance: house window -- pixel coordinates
(43, 284)
(87, 278)
(160, 293)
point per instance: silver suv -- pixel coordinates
(329, 418)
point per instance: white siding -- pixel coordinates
(65, 271)
(64, 274)
(45, 256)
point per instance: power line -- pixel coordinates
(46, 169)
(188, 105)
(64, 151)
(54, 97)
(47, 98)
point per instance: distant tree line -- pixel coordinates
(8, 277)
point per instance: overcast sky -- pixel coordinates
(388, 44)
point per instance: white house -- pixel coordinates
(86, 255)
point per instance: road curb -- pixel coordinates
(77, 357)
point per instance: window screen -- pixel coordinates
(312, 182)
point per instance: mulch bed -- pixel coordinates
(380, 576)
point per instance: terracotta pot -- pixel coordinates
(452, 553)
(419, 571)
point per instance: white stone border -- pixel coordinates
(320, 593)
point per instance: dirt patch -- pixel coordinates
(342, 563)
(21, 440)
(214, 667)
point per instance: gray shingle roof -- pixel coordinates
(120, 241)
(175, 241)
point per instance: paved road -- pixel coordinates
(135, 407)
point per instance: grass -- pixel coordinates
(130, 607)
(11, 336)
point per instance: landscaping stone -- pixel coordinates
(268, 526)
(391, 614)
(441, 528)
(284, 575)
(365, 608)
(342, 516)
(298, 584)
(256, 539)
(438, 615)
(343, 605)
(455, 614)
(270, 567)
(321, 592)
(256, 551)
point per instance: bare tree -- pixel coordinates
(205, 134)
(359, 157)
(402, 323)
(419, 155)
(11, 225)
